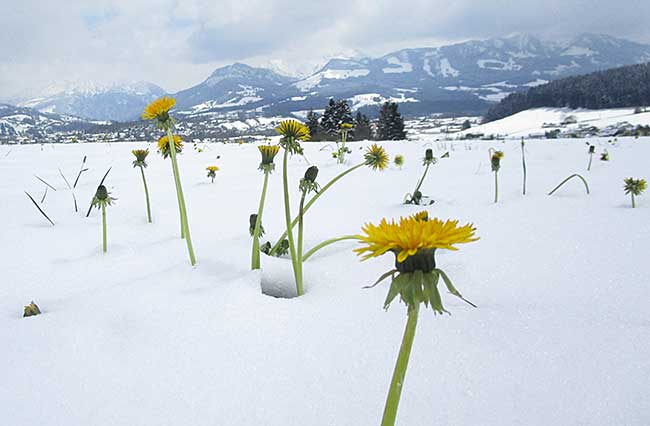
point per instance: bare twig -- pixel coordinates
(44, 195)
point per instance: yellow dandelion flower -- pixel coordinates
(376, 157)
(293, 129)
(268, 153)
(410, 235)
(163, 145)
(212, 168)
(159, 109)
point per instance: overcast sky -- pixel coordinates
(176, 44)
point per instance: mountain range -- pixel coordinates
(466, 77)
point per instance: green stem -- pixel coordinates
(523, 161)
(104, 228)
(569, 178)
(255, 255)
(181, 199)
(421, 181)
(312, 201)
(591, 156)
(496, 186)
(327, 243)
(289, 232)
(301, 225)
(396, 384)
(633, 203)
(146, 194)
(341, 157)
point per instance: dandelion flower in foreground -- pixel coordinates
(413, 240)
(412, 234)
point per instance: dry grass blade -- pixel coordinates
(39, 209)
(45, 182)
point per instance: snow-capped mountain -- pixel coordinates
(236, 86)
(119, 102)
(464, 77)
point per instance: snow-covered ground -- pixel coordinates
(136, 336)
(537, 121)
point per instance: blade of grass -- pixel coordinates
(45, 182)
(39, 209)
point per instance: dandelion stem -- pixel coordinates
(496, 186)
(313, 200)
(397, 383)
(569, 178)
(421, 181)
(289, 232)
(181, 199)
(523, 161)
(301, 226)
(146, 194)
(255, 255)
(104, 227)
(327, 243)
(591, 156)
(633, 202)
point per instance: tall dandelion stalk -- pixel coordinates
(592, 150)
(374, 157)
(427, 161)
(495, 162)
(267, 166)
(158, 111)
(292, 132)
(101, 200)
(140, 161)
(342, 149)
(414, 241)
(523, 163)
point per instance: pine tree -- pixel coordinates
(362, 130)
(314, 125)
(329, 123)
(391, 123)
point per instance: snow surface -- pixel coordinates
(138, 337)
(332, 74)
(532, 121)
(400, 66)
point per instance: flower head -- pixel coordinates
(376, 157)
(102, 197)
(592, 149)
(495, 160)
(421, 216)
(411, 235)
(399, 160)
(159, 110)
(268, 155)
(163, 145)
(212, 168)
(293, 129)
(140, 157)
(308, 182)
(635, 186)
(429, 158)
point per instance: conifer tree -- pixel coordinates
(362, 130)
(314, 125)
(391, 123)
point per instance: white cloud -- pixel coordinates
(177, 43)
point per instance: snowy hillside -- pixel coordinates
(537, 122)
(137, 337)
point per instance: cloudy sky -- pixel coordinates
(176, 44)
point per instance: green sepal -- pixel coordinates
(396, 286)
(383, 277)
(448, 283)
(434, 295)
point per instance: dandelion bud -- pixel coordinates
(102, 193)
(592, 149)
(311, 174)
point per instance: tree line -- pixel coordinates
(627, 86)
(326, 127)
